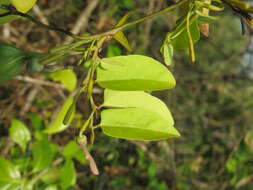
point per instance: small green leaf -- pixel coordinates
(136, 124)
(182, 41)
(67, 77)
(57, 124)
(9, 175)
(167, 51)
(23, 5)
(43, 154)
(122, 39)
(124, 19)
(137, 99)
(134, 72)
(67, 175)
(72, 150)
(19, 133)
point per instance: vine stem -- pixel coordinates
(13, 11)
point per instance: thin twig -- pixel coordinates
(82, 21)
(39, 82)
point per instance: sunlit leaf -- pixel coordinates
(137, 99)
(67, 77)
(19, 133)
(67, 175)
(23, 5)
(57, 124)
(134, 72)
(136, 124)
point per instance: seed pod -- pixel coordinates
(34, 66)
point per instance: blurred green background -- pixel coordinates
(211, 104)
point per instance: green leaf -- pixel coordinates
(122, 39)
(9, 176)
(145, 117)
(36, 121)
(23, 5)
(72, 150)
(137, 99)
(19, 133)
(43, 154)
(136, 124)
(167, 51)
(134, 72)
(67, 175)
(11, 61)
(182, 41)
(6, 19)
(57, 123)
(67, 77)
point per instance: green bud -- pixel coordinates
(34, 66)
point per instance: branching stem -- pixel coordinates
(12, 11)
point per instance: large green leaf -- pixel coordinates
(136, 124)
(57, 124)
(137, 99)
(19, 133)
(43, 154)
(134, 72)
(67, 175)
(9, 176)
(182, 40)
(67, 77)
(23, 5)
